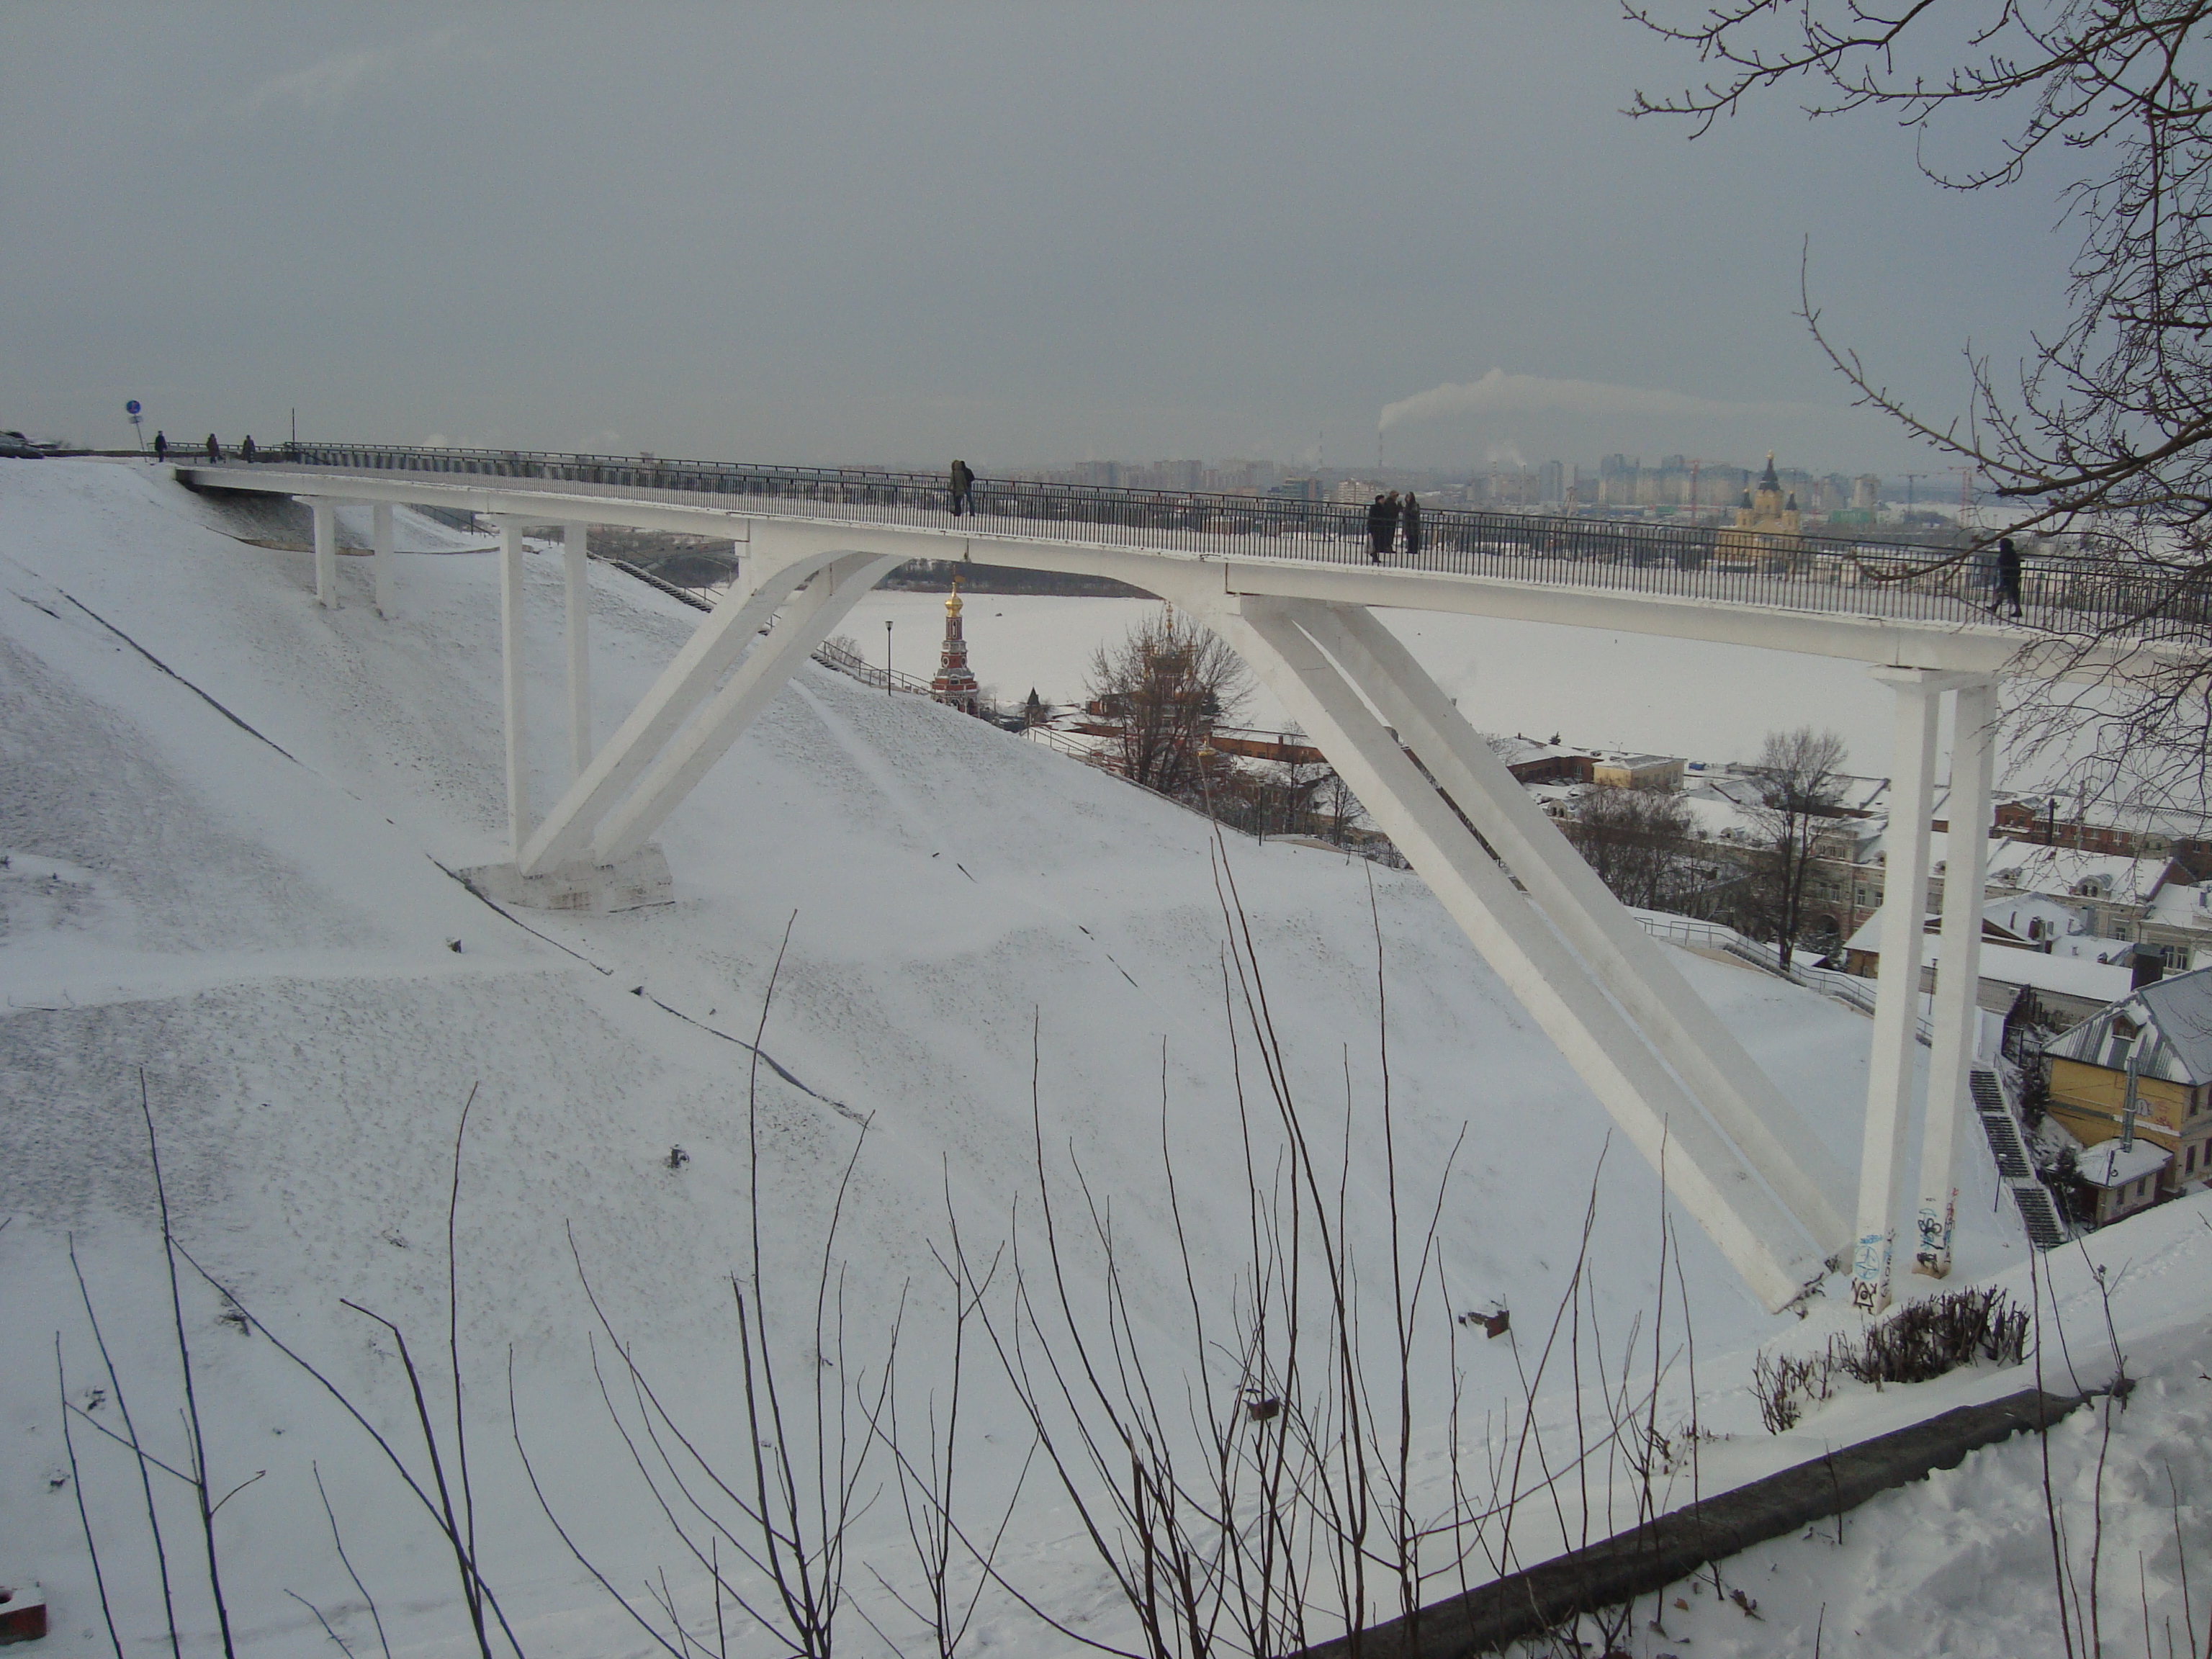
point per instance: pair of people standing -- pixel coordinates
(2008, 575)
(1389, 513)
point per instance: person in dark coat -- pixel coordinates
(1409, 515)
(1380, 519)
(963, 485)
(160, 444)
(2007, 577)
(215, 450)
(246, 447)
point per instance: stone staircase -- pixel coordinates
(2038, 1212)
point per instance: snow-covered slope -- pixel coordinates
(229, 818)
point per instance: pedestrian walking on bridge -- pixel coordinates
(963, 485)
(160, 444)
(1381, 527)
(215, 450)
(2007, 577)
(1410, 517)
(246, 448)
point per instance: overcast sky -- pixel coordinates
(1017, 233)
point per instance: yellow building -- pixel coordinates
(2165, 1029)
(1638, 771)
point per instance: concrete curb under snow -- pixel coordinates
(1665, 1551)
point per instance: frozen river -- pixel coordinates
(1712, 702)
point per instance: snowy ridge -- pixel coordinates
(261, 919)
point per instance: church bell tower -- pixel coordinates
(954, 685)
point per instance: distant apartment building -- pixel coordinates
(1676, 482)
(1244, 477)
(1552, 483)
(2134, 835)
(1520, 489)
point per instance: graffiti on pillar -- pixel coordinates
(1933, 1256)
(1870, 1273)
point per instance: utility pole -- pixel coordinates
(2129, 1105)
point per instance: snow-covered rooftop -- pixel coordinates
(2010, 965)
(2107, 1164)
(2167, 1025)
(2062, 869)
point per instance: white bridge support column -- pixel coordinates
(380, 555)
(1959, 974)
(1897, 991)
(513, 701)
(576, 593)
(1751, 1228)
(810, 618)
(688, 681)
(1768, 1131)
(326, 549)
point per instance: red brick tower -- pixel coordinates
(954, 685)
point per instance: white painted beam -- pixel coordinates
(810, 618)
(326, 551)
(576, 593)
(514, 699)
(1896, 990)
(1752, 1230)
(1766, 1129)
(380, 555)
(686, 683)
(1959, 974)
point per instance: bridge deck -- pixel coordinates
(1855, 582)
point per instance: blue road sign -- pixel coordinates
(130, 408)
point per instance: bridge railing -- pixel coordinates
(1718, 564)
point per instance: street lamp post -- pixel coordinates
(887, 656)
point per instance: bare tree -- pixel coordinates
(1636, 842)
(1338, 804)
(1801, 781)
(2106, 430)
(1166, 686)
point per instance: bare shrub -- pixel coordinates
(1925, 1339)
(1786, 1383)
(1919, 1342)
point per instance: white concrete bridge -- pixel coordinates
(1290, 586)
